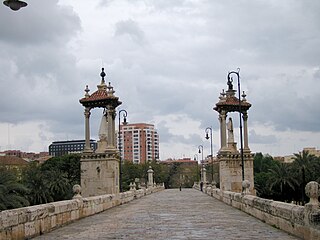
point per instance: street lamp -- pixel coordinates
(124, 115)
(195, 158)
(209, 129)
(15, 5)
(230, 80)
(200, 147)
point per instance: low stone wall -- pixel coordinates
(301, 221)
(28, 222)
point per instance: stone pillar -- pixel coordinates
(245, 131)
(204, 175)
(87, 147)
(223, 130)
(111, 115)
(150, 177)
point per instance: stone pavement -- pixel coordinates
(170, 214)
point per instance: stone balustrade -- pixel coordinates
(301, 221)
(27, 222)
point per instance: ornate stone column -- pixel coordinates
(223, 129)
(87, 147)
(150, 177)
(204, 171)
(111, 114)
(245, 131)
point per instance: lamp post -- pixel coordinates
(15, 5)
(200, 147)
(230, 79)
(124, 115)
(195, 158)
(209, 129)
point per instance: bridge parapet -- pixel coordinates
(301, 221)
(28, 222)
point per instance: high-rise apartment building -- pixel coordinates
(139, 142)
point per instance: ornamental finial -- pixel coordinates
(102, 75)
(87, 90)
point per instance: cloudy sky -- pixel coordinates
(168, 62)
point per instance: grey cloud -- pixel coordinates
(174, 59)
(316, 75)
(39, 74)
(262, 139)
(167, 137)
(131, 28)
(287, 101)
(41, 22)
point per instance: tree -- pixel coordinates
(38, 184)
(130, 172)
(281, 179)
(59, 185)
(68, 164)
(302, 161)
(11, 191)
(53, 180)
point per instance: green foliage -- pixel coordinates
(53, 180)
(131, 171)
(35, 180)
(281, 181)
(170, 174)
(262, 163)
(68, 164)
(285, 181)
(12, 193)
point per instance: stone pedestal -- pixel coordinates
(99, 174)
(231, 171)
(150, 177)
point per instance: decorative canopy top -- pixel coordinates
(103, 97)
(229, 102)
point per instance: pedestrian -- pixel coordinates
(180, 187)
(201, 186)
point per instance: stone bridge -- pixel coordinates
(155, 213)
(170, 214)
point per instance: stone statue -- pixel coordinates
(103, 133)
(103, 130)
(230, 131)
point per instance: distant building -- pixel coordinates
(184, 161)
(139, 142)
(312, 151)
(28, 156)
(61, 148)
(13, 163)
(290, 158)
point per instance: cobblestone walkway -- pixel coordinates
(170, 214)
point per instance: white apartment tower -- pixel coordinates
(139, 142)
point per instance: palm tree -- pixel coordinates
(11, 192)
(302, 160)
(59, 185)
(38, 183)
(281, 178)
